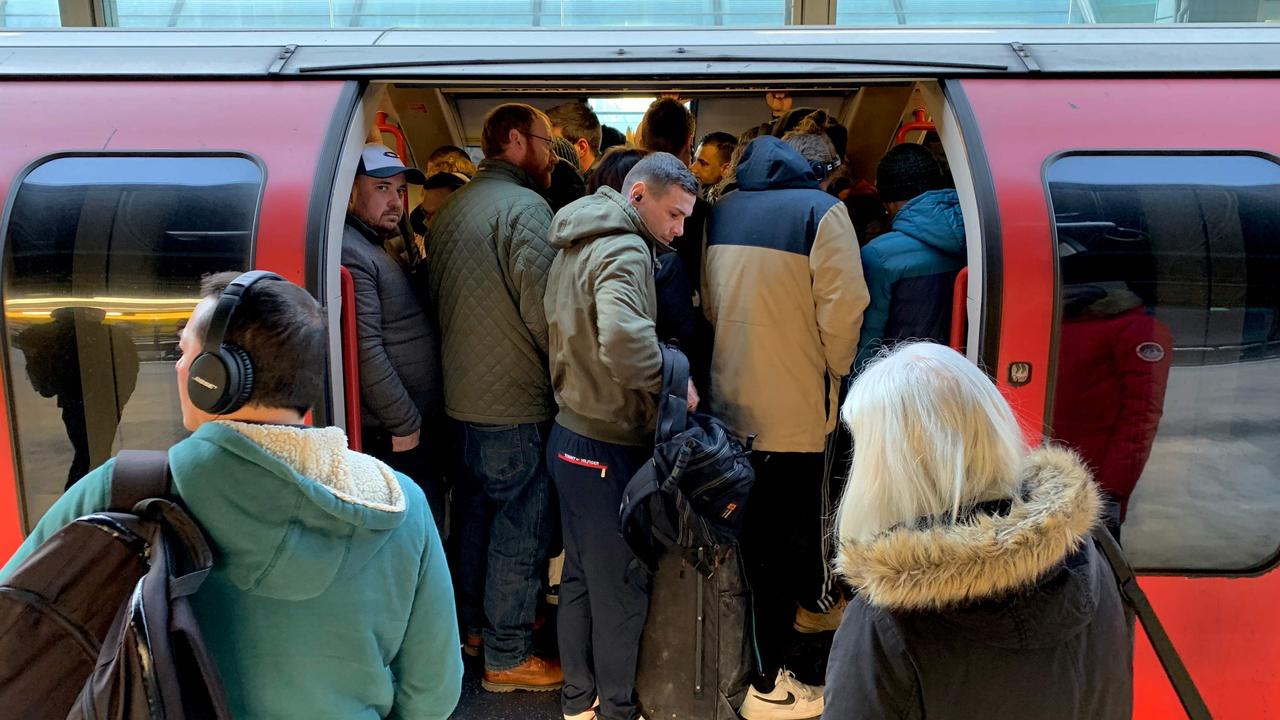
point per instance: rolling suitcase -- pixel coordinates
(696, 653)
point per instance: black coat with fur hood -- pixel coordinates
(1011, 614)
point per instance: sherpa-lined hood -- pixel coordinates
(602, 214)
(945, 567)
(770, 164)
(934, 219)
(290, 510)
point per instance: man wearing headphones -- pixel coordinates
(328, 562)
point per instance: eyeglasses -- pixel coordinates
(550, 141)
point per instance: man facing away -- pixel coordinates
(577, 122)
(785, 294)
(487, 263)
(329, 596)
(911, 270)
(399, 349)
(668, 127)
(606, 365)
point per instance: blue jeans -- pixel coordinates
(504, 532)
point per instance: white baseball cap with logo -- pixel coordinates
(380, 161)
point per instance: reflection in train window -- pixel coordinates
(103, 257)
(1168, 367)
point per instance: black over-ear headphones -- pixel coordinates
(220, 379)
(823, 169)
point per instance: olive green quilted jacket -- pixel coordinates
(487, 264)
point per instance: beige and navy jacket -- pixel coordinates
(784, 289)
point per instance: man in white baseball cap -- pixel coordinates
(380, 161)
(400, 386)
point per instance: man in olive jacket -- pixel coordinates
(487, 262)
(606, 365)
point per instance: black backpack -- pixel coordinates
(97, 622)
(693, 493)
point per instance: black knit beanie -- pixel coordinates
(906, 171)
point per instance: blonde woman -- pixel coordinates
(979, 592)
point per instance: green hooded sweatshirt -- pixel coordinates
(330, 596)
(601, 310)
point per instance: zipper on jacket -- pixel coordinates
(86, 642)
(580, 462)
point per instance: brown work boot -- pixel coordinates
(474, 646)
(809, 622)
(534, 674)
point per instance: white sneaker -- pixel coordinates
(790, 700)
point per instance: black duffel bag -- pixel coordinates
(691, 495)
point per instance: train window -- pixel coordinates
(1168, 366)
(102, 264)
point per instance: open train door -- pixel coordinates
(120, 196)
(1132, 311)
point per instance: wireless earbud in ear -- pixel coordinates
(637, 197)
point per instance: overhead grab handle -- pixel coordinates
(383, 126)
(919, 123)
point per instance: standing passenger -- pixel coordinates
(979, 590)
(330, 595)
(399, 350)
(577, 122)
(606, 366)
(450, 159)
(711, 161)
(668, 127)
(487, 264)
(785, 294)
(911, 270)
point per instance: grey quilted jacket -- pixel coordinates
(487, 264)
(399, 347)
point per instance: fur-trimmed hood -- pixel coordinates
(290, 510)
(989, 555)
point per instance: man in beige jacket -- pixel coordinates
(606, 366)
(785, 292)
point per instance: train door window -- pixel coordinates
(103, 258)
(1168, 364)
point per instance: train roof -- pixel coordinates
(650, 55)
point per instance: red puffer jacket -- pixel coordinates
(1112, 374)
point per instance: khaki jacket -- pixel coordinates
(601, 309)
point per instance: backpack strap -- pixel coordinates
(673, 401)
(1134, 596)
(138, 475)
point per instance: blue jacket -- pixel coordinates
(911, 272)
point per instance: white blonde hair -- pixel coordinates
(932, 437)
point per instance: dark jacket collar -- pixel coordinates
(369, 233)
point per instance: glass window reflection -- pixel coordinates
(102, 264)
(1168, 368)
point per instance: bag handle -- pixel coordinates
(673, 401)
(1136, 598)
(138, 475)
